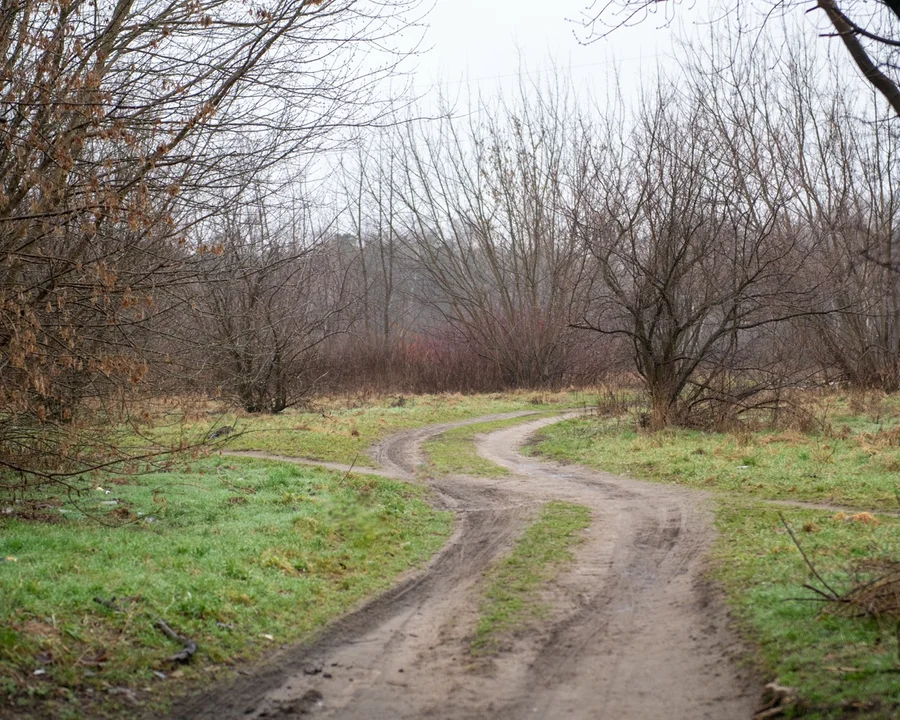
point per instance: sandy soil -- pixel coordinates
(635, 632)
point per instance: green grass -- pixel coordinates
(854, 468)
(240, 555)
(453, 452)
(840, 666)
(511, 585)
(345, 429)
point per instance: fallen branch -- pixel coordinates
(110, 604)
(777, 699)
(834, 595)
(878, 598)
(186, 654)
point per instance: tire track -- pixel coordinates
(634, 633)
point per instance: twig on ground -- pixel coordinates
(110, 604)
(350, 470)
(834, 595)
(186, 654)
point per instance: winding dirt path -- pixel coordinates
(635, 632)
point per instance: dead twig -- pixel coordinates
(186, 654)
(110, 604)
(835, 596)
(350, 470)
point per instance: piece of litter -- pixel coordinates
(267, 637)
(160, 675)
(39, 671)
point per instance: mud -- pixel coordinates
(635, 631)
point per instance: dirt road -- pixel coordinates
(635, 632)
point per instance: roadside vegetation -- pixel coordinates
(240, 556)
(453, 452)
(512, 585)
(838, 449)
(844, 453)
(838, 662)
(342, 429)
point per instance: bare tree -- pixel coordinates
(122, 124)
(846, 172)
(268, 295)
(869, 32)
(387, 311)
(488, 213)
(696, 257)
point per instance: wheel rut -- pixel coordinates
(634, 631)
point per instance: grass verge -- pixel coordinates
(343, 429)
(453, 452)
(239, 555)
(856, 468)
(511, 585)
(840, 666)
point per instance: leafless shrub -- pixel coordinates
(122, 127)
(269, 292)
(874, 584)
(696, 262)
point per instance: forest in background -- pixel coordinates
(725, 237)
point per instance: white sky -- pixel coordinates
(480, 44)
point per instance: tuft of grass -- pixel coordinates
(856, 468)
(840, 666)
(239, 555)
(511, 585)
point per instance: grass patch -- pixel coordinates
(855, 467)
(453, 452)
(512, 583)
(343, 429)
(240, 555)
(840, 666)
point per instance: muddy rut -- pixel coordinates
(634, 632)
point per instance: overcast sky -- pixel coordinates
(479, 43)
